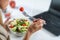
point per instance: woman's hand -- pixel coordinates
(3, 31)
(3, 4)
(35, 26)
(6, 23)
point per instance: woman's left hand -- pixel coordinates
(6, 23)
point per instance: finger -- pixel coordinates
(35, 20)
(39, 23)
(37, 27)
(40, 27)
(31, 28)
(43, 21)
(6, 20)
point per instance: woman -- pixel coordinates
(35, 26)
(3, 33)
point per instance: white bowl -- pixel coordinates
(17, 33)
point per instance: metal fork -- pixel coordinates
(31, 18)
(26, 15)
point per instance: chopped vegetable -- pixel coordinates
(11, 26)
(23, 24)
(13, 29)
(19, 25)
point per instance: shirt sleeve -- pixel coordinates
(1, 21)
(3, 32)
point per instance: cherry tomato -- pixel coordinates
(12, 4)
(11, 26)
(7, 15)
(21, 9)
(23, 24)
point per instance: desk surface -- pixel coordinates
(39, 35)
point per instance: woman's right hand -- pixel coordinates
(36, 25)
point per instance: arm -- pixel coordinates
(35, 26)
(3, 33)
(1, 22)
(3, 5)
(27, 36)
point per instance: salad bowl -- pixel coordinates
(19, 27)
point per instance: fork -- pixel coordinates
(26, 15)
(31, 18)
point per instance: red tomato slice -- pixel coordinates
(11, 26)
(23, 24)
(12, 4)
(21, 9)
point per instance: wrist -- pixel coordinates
(27, 36)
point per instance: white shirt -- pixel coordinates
(3, 33)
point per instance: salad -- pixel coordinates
(19, 25)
